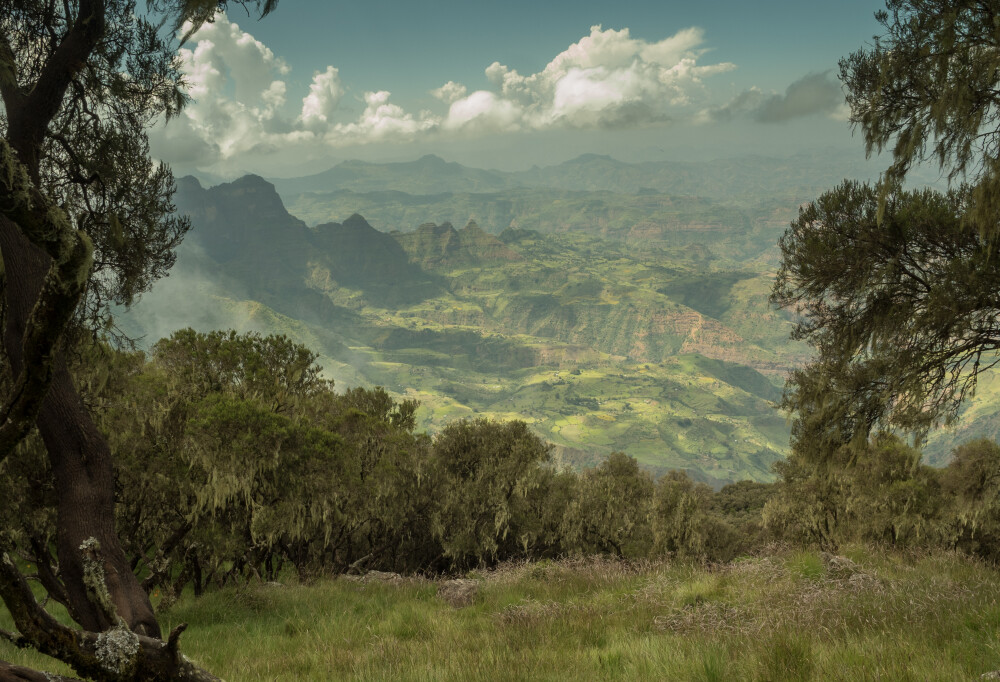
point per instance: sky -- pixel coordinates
(514, 84)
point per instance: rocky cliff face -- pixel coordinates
(244, 227)
(442, 247)
(244, 219)
(601, 345)
(357, 256)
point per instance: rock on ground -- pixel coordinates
(460, 592)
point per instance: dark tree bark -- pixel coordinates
(46, 269)
(15, 673)
(79, 455)
(115, 655)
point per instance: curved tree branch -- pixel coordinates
(116, 655)
(29, 121)
(64, 283)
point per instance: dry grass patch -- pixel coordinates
(793, 615)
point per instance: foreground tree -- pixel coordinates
(489, 475)
(84, 223)
(903, 311)
(898, 289)
(611, 510)
(929, 90)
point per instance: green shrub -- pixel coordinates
(489, 474)
(971, 482)
(681, 523)
(611, 510)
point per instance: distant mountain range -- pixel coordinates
(607, 321)
(743, 179)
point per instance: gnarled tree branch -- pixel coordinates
(71, 253)
(116, 655)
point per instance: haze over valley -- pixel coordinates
(580, 232)
(612, 306)
(499, 341)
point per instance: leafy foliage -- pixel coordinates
(94, 159)
(235, 458)
(611, 512)
(902, 310)
(928, 88)
(488, 473)
(234, 462)
(684, 523)
(884, 495)
(971, 483)
(897, 292)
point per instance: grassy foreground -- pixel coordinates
(791, 616)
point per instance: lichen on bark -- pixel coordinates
(93, 578)
(117, 649)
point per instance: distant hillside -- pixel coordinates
(611, 215)
(426, 175)
(436, 246)
(746, 180)
(742, 179)
(664, 347)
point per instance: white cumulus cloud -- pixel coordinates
(241, 102)
(324, 95)
(449, 92)
(380, 120)
(237, 88)
(483, 110)
(607, 78)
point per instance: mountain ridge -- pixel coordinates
(744, 178)
(664, 348)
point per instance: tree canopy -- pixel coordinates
(897, 288)
(903, 311)
(928, 89)
(85, 222)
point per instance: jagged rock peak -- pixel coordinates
(188, 182)
(435, 229)
(357, 221)
(252, 186)
(251, 180)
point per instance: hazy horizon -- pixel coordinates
(513, 89)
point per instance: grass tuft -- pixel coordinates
(795, 615)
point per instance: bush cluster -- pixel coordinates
(881, 493)
(235, 458)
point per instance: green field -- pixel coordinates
(664, 347)
(789, 616)
(606, 321)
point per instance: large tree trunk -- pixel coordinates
(115, 656)
(80, 458)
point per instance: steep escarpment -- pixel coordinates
(600, 342)
(442, 247)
